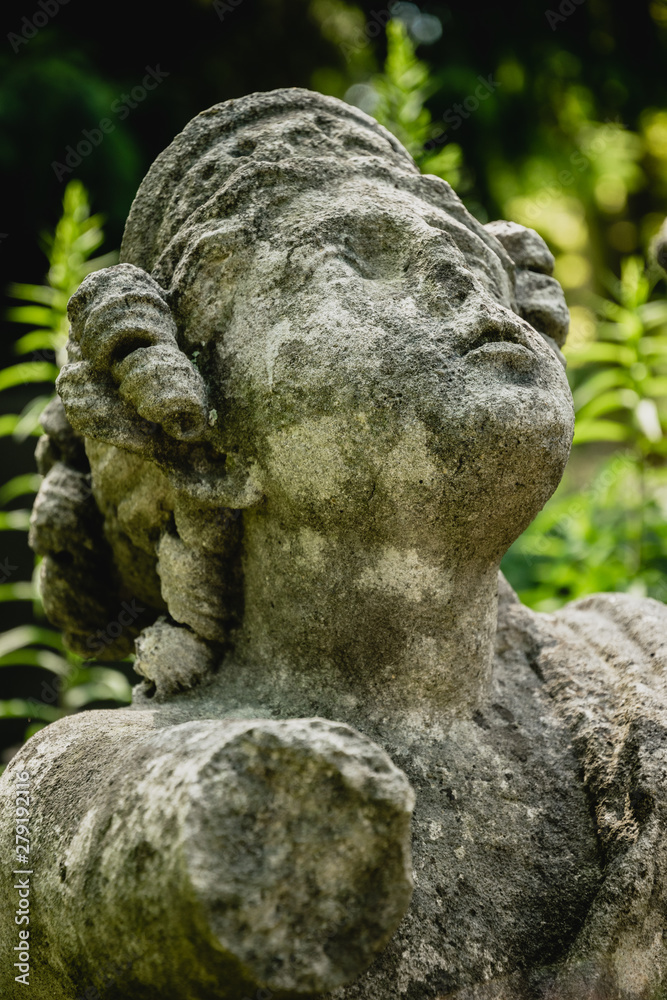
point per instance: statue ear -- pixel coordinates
(129, 384)
(539, 297)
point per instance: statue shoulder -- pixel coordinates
(602, 661)
(619, 633)
(618, 641)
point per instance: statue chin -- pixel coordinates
(299, 425)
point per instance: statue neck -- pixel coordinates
(334, 625)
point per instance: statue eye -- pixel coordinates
(357, 262)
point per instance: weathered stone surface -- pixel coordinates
(526, 247)
(172, 659)
(316, 415)
(542, 303)
(65, 445)
(217, 857)
(539, 299)
(79, 581)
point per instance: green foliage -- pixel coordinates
(611, 536)
(619, 380)
(69, 250)
(401, 92)
(343, 24)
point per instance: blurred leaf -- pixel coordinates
(28, 635)
(8, 422)
(33, 728)
(598, 352)
(648, 419)
(19, 708)
(29, 421)
(14, 520)
(610, 536)
(600, 430)
(37, 658)
(43, 294)
(76, 237)
(19, 486)
(656, 386)
(105, 684)
(29, 371)
(33, 315)
(607, 402)
(22, 591)
(37, 340)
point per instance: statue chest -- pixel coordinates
(505, 855)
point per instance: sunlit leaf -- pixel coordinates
(29, 635)
(653, 314)
(599, 352)
(20, 708)
(30, 420)
(97, 263)
(608, 402)
(20, 591)
(34, 315)
(105, 684)
(43, 294)
(14, 520)
(608, 378)
(648, 419)
(601, 430)
(650, 347)
(19, 486)
(37, 340)
(29, 371)
(43, 658)
(8, 422)
(655, 386)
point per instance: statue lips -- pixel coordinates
(506, 342)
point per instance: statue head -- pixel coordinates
(348, 338)
(357, 326)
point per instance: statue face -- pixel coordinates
(375, 370)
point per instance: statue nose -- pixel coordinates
(494, 324)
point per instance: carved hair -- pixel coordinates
(248, 157)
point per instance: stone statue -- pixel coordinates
(301, 423)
